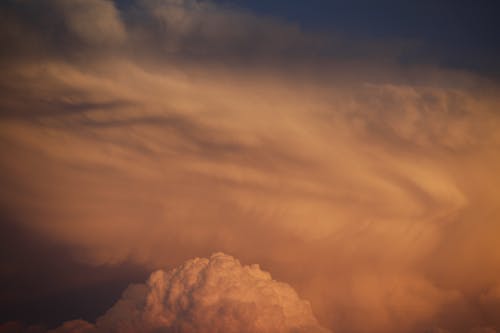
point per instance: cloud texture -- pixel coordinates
(167, 130)
(202, 295)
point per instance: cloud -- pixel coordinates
(483, 330)
(149, 29)
(202, 295)
(74, 326)
(201, 28)
(138, 139)
(211, 295)
(95, 21)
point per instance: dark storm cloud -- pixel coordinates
(453, 34)
(41, 280)
(189, 30)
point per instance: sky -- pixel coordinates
(249, 166)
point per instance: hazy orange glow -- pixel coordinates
(373, 191)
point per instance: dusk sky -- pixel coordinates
(249, 166)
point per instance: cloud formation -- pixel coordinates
(202, 295)
(151, 136)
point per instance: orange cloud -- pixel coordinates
(375, 195)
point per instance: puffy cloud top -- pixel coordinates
(202, 295)
(210, 295)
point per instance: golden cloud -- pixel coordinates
(374, 192)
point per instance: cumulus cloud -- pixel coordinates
(202, 295)
(210, 295)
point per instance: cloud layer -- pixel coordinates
(167, 130)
